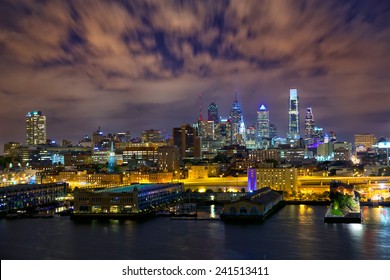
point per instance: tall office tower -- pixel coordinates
(168, 159)
(251, 133)
(293, 115)
(319, 134)
(97, 137)
(213, 113)
(309, 127)
(262, 126)
(273, 131)
(35, 128)
(251, 137)
(206, 130)
(185, 138)
(223, 132)
(237, 120)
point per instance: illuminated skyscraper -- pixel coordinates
(237, 120)
(309, 127)
(35, 128)
(262, 126)
(97, 137)
(293, 115)
(186, 139)
(213, 113)
(273, 131)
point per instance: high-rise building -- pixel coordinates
(185, 138)
(151, 135)
(363, 142)
(168, 159)
(213, 113)
(223, 132)
(11, 150)
(273, 131)
(35, 128)
(262, 126)
(309, 127)
(206, 130)
(237, 120)
(97, 137)
(293, 115)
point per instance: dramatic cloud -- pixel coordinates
(142, 64)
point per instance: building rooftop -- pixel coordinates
(131, 188)
(262, 195)
(21, 187)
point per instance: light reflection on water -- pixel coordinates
(295, 232)
(376, 215)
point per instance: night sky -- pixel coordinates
(142, 64)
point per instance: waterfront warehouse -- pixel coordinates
(255, 206)
(28, 195)
(126, 200)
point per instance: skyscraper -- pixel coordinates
(273, 131)
(35, 128)
(262, 126)
(185, 138)
(97, 137)
(237, 119)
(213, 113)
(293, 115)
(309, 127)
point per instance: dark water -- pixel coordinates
(295, 232)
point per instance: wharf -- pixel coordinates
(108, 216)
(352, 217)
(308, 202)
(194, 219)
(253, 218)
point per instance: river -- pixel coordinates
(295, 232)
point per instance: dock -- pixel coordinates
(352, 217)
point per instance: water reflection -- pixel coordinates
(295, 232)
(376, 215)
(305, 214)
(356, 231)
(213, 213)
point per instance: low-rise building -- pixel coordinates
(127, 199)
(21, 196)
(254, 206)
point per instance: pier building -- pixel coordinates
(127, 199)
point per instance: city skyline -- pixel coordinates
(142, 65)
